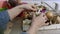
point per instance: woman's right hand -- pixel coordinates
(39, 20)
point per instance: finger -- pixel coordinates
(34, 9)
(34, 16)
(46, 24)
(41, 15)
(45, 18)
(33, 6)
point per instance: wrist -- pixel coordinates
(33, 29)
(14, 12)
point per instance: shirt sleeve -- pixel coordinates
(4, 19)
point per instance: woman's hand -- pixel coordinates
(40, 20)
(18, 9)
(37, 22)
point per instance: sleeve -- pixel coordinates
(24, 33)
(4, 19)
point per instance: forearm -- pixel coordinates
(14, 12)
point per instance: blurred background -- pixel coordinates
(51, 29)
